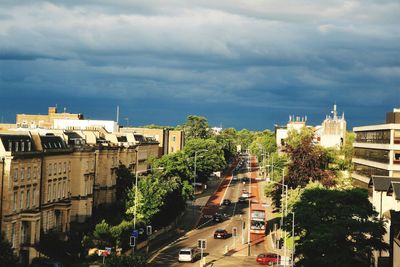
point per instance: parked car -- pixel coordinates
(221, 233)
(245, 194)
(217, 217)
(245, 179)
(242, 199)
(226, 202)
(268, 259)
(188, 255)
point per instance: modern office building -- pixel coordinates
(377, 150)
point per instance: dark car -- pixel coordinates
(217, 217)
(242, 199)
(245, 179)
(268, 259)
(226, 202)
(221, 233)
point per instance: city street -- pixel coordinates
(221, 252)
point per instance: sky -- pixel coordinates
(239, 63)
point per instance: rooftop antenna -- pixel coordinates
(117, 114)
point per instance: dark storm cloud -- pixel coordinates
(207, 56)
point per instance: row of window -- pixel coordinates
(377, 155)
(375, 137)
(368, 171)
(27, 173)
(27, 199)
(62, 168)
(56, 190)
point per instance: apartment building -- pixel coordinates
(169, 141)
(377, 150)
(44, 121)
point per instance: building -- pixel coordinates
(333, 130)
(169, 140)
(377, 150)
(281, 132)
(376, 164)
(45, 121)
(81, 124)
(331, 134)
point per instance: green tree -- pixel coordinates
(227, 142)
(347, 149)
(244, 138)
(124, 181)
(210, 159)
(102, 234)
(196, 127)
(333, 230)
(151, 195)
(174, 165)
(7, 256)
(263, 142)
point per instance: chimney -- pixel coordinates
(52, 110)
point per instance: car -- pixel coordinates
(268, 259)
(242, 199)
(221, 233)
(226, 202)
(188, 254)
(245, 194)
(235, 178)
(217, 217)
(245, 179)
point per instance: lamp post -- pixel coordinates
(293, 246)
(194, 172)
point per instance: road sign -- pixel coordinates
(149, 230)
(202, 243)
(234, 231)
(135, 233)
(132, 241)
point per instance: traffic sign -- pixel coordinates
(132, 241)
(149, 230)
(202, 243)
(135, 233)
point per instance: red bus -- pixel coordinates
(258, 220)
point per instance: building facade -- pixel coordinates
(377, 150)
(44, 121)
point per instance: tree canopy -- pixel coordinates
(7, 256)
(336, 228)
(196, 127)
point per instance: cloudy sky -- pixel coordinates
(240, 63)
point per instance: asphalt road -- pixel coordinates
(232, 251)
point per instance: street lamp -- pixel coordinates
(292, 259)
(194, 171)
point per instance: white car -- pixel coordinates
(188, 254)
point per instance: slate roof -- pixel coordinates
(17, 142)
(396, 189)
(382, 183)
(52, 142)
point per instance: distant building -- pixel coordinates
(331, 133)
(170, 141)
(73, 124)
(281, 132)
(44, 121)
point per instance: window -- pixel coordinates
(21, 200)
(59, 191)
(396, 137)
(55, 169)
(13, 234)
(49, 193)
(28, 173)
(65, 167)
(34, 173)
(22, 174)
(375, 137)
(173, 138)
(54, 191)
(63, 189)
(15, 201)
(28, 198)
(15, 174)
(396, 159)
(50, 169)
(59, 168)
(368, 171)
(172, 149)
(34, 197)
(377, 155)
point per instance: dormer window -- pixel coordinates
(16, 146)
(29, 146)
(22, 146)
(10, 145)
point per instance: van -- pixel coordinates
(188, 255)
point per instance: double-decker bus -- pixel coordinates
(258, 219)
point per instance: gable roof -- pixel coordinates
(382, 183)
(395, 187)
